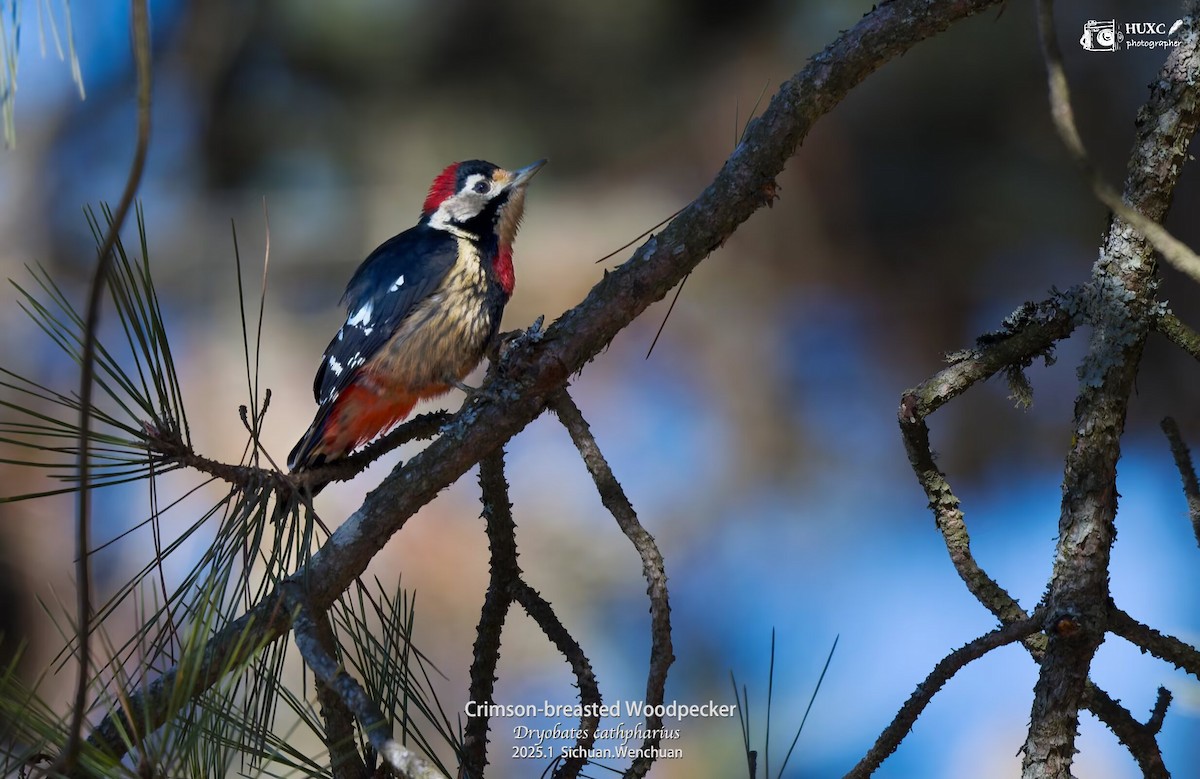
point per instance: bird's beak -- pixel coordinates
(521, 176)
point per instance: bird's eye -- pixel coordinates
(482, 187)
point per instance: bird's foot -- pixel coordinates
(483, 392)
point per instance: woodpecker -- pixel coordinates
(422, 310)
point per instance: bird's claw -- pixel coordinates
(472, 393)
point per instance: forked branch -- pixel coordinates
(504, 587)
(1122, 310)
(612, 495)
(307, 631)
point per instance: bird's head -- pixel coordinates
(475, 198)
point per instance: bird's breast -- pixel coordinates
(447, 334)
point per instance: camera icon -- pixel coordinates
(1100, 36)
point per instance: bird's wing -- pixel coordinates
(385, 289)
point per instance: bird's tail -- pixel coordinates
(357, 416)
(308, 451)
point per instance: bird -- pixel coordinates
(422, 310)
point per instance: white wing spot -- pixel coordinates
(362, 316)
(335, 366)
(356, 360)
(399, 282)
(368, 330)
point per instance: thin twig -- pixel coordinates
(1141, 740)
(904, 720)
(1026, 334)
(949, 517)
(612, 495)
(399, 758)
(141, 55)
(171, 446)
(540, 611)
(1179, 334)
(1171, 248)
(637, 238)
(1187, 472)
(1158, 714)
(662, 325)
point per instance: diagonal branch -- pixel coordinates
(534, 367)
(1140, 739)
(1187, 472)
(305, 625)
(899, 727)
(949, 517)
(1026, 334)
(345, 761)
(539, 609)
(612, 495)
(1168, 648)
(1179, 334)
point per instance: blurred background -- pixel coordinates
(758, 442)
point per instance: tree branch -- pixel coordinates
(1021, 341)
(1179, 334)
(506, 586)
(1124, 291)
(1026, 334)
(1187, 472)
(539, 609)
(947, 514)
(399, 758)
(1141, 740)
(345, 761)
(502, 542)
(612, 495)
(1168, 648)
(169, 444)
(899, 727)
(533, 367)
